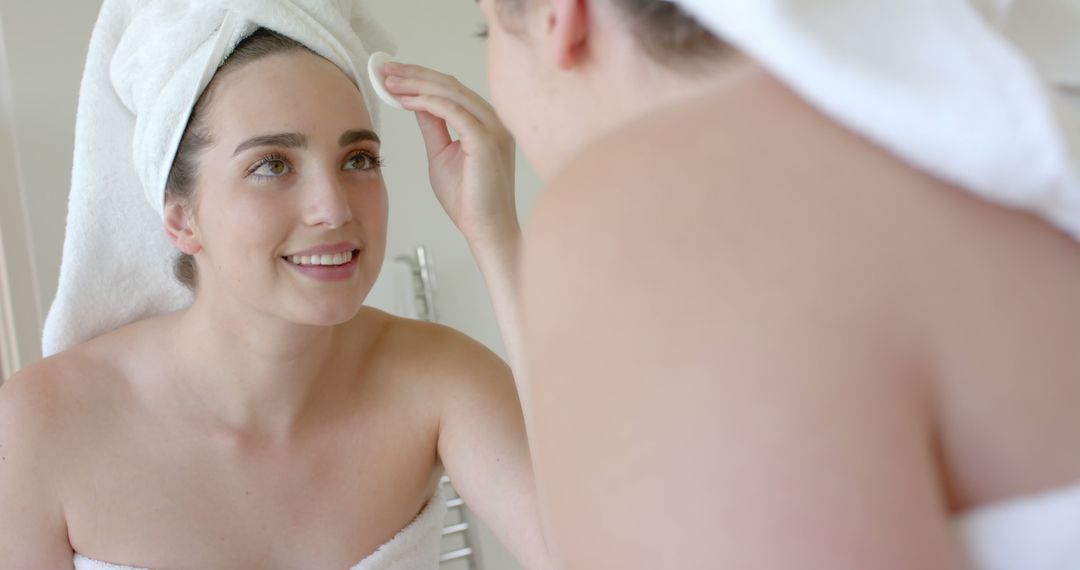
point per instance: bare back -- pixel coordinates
(791, 333)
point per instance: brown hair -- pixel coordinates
(184, 172)
(664, 30)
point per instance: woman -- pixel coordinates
(756, 335)
(276, 422)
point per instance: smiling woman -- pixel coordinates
(272, 164)
(304, 429)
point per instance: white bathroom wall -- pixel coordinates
(20, 318)
(46, 47)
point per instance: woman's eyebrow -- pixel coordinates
(352, 137)
(290, 140)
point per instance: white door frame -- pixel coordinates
(9, 350)
(20, 322)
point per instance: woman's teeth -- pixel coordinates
(335, 259)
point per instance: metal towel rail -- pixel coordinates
(459, 542)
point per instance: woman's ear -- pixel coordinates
(566, 30)
(179, 227)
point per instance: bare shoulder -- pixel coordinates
(742, 175)
(731, 212)
(32, 399)
(56, 401)
(747, 205)
(693, 297)
(53, 413)
(739, 151)
(44, 401)
(33, 408)
(435, 352)
(446, 373)
(33, 411)
(27, 401)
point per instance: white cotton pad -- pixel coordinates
(375, 73)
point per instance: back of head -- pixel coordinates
(669, 35)
(663, 30)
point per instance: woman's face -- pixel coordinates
(291, 205)
(527, 93)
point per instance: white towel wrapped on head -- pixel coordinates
(148, 63)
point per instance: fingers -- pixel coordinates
(415, 80)
(445, 112)
(435, 133)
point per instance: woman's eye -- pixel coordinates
(482, 32)
(363, 161)
(272, 168)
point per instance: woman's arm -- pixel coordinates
(482, 435)
(482, 444)
(473, 178)
(33, 533)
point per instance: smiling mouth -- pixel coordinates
(325, 260)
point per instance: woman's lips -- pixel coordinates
(326, 248)
(326, 267)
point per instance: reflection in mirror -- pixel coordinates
(278, 387)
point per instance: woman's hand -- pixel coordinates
(473, 176)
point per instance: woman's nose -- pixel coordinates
(327, 203)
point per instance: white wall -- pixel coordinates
(46, 47)
(21, 318)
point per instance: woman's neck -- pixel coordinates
(638, 86)
(251, 372)
(627, 85)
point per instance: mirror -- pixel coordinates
(39, 88)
